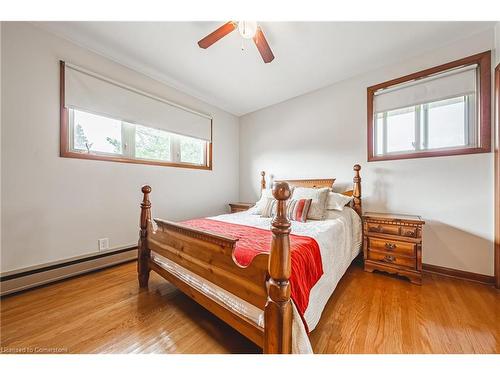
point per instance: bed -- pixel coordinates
(258, 297)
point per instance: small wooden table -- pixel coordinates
(393, 243)
(240, 206)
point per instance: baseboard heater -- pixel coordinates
(16, 281)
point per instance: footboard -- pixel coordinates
(210, 256)
(264, 283)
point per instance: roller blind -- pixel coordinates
(453, 83)
(91, 92)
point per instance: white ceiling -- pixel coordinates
(309, 55)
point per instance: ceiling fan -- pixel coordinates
(247, 29)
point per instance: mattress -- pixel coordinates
(339, 240)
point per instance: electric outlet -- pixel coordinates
(103, 244)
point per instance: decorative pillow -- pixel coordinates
(298, 209)
(259, 206)
(269, 209)
(336, 201)
(318, 204)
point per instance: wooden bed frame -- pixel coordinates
(264, 283)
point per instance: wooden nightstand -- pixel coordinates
(239, 206)
(393, 243)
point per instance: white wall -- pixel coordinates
(56, 208)
(497, 43)
(323, 133)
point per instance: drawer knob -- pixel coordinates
(390, 246)
(378, 228)
(389, 258)
(410, 233)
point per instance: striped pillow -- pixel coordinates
(269, 209)
(297, 209)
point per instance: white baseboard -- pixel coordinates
(25, 280)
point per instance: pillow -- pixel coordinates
(318, 204)
(332, 214)
(298, 209)
(336, 201)
(259, 206)
(269, 209)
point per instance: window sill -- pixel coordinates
(430, 153)
(82, 155)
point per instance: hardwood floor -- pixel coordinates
(104, 312)
(376, 313)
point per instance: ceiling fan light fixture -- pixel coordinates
(247, 29)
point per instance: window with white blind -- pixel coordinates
(103, 136)
(440, 111)
(105, 120)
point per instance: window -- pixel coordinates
(102, 119)
(151, 144)
(92, 133)
(443, 124)
(191, 150)
(97, 135)
(437, 112)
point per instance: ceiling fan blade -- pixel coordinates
(217, 34)
(263, 47)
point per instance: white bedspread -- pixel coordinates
(339, 240)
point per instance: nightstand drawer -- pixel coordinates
(391, 258)
(383, 228)
(409, 232)
(398, 247)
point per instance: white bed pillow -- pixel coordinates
(261, 203)
(318, 204)
(270, 208)
(333, 214)
(336, 201)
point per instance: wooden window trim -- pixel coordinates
(483, 60)
(65, 150)
(497, 176)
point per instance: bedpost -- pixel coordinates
(263, 180)
(278, 310)
(143, 251)
(356, 192)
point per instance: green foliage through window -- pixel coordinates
(115, 143)
(192, 150)
(97, 134)
(151, 143)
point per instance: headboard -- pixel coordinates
(318, 183)
(355, 204)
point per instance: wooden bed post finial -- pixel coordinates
(356, 193)
(263, 180)
(278, 309)
(143, 250)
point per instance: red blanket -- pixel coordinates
(306, 257)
